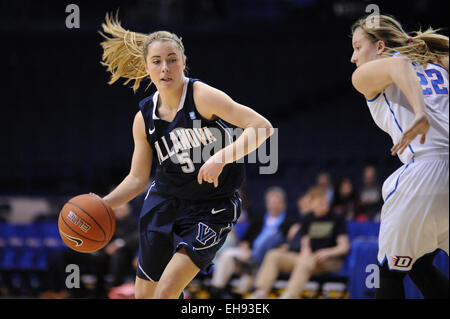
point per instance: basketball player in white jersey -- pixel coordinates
(405, 82)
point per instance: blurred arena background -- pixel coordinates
(65, 131)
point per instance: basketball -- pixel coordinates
(86, 223)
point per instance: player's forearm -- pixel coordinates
(404, 76)
(373, 77)
(250, 139)
(128, 189)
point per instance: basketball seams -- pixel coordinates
(64, 221)
(110, 216)
(104, 234)
(83, 204)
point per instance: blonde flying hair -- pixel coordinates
(125, 51)
(422, 47)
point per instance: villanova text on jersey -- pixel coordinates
(182, 146)
(184, 141)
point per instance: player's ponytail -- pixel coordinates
(422, 47)
(125, 52)
(428, 46)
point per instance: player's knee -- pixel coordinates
(144, 290)
(165, 292)
(141, 294)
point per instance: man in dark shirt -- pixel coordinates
(324, 243)
(263, 234)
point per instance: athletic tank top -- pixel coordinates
(182, 146)
(393, 113)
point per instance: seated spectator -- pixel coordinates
(370, 199)
(304, 205)
(123, 246)
(293, 236)
(324, 244)
(345, 201)
(262, 235)
(324, 180)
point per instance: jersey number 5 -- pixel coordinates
(186, 163)
(436, 79)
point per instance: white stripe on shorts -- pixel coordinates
(148, 277)
(235, 210)
(148, 192)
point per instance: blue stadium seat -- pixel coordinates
(362, 254)
(13, 246)
(25, 247)
(240, 229)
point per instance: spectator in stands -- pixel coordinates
(123, 246)
(324, 180)
(324, 243)
(293, 235)
(345, 200)
(304, 205)
(262, 235)
(370, 200)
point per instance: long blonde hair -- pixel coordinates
(125, 52)
(422, 47)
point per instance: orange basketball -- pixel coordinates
(86, 223)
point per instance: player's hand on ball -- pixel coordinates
(93, 194)
(210, 171)
(419, 126)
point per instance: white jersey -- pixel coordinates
(393, 113)
(414, 217)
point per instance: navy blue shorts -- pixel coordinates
(200, 227)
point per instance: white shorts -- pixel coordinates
(414, 217)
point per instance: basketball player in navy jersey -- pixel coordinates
(193, 202)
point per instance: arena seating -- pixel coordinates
(24, 248)
(23, 253)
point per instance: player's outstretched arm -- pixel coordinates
(373, 77)
(136, 180)
(211, 104)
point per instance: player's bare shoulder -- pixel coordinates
(207, 98)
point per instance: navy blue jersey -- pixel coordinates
(182, 146)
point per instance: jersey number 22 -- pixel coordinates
(436, 79)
